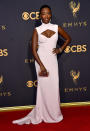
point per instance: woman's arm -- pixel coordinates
(34, 47)
(67, 40)
(65, 35)
(34, 50)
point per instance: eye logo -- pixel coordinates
(25, 15)
(67, 49)
(74, 8)
(31, 83)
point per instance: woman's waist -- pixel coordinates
(46, 53)
(46, 48)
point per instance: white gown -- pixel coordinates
(47, 106)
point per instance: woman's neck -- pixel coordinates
(45, 23)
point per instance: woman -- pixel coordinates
(45, 37)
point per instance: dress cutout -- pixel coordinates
(47, 106)
(48, 33)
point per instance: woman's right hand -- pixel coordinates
(43, 71)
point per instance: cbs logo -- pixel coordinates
(32, 15)
(75, 48)
(3, 52)
(31, 83)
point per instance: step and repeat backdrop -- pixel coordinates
(18, 79)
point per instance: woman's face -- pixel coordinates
(45, 15)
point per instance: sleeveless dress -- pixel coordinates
(47, 106)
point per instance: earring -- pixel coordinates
(41, 21)
(50, 20)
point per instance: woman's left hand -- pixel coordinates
(56, 51)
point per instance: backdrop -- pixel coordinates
(18, 80)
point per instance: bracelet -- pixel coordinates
(60, 50)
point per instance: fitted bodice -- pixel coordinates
(47, 42)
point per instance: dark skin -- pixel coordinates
(46, 16)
